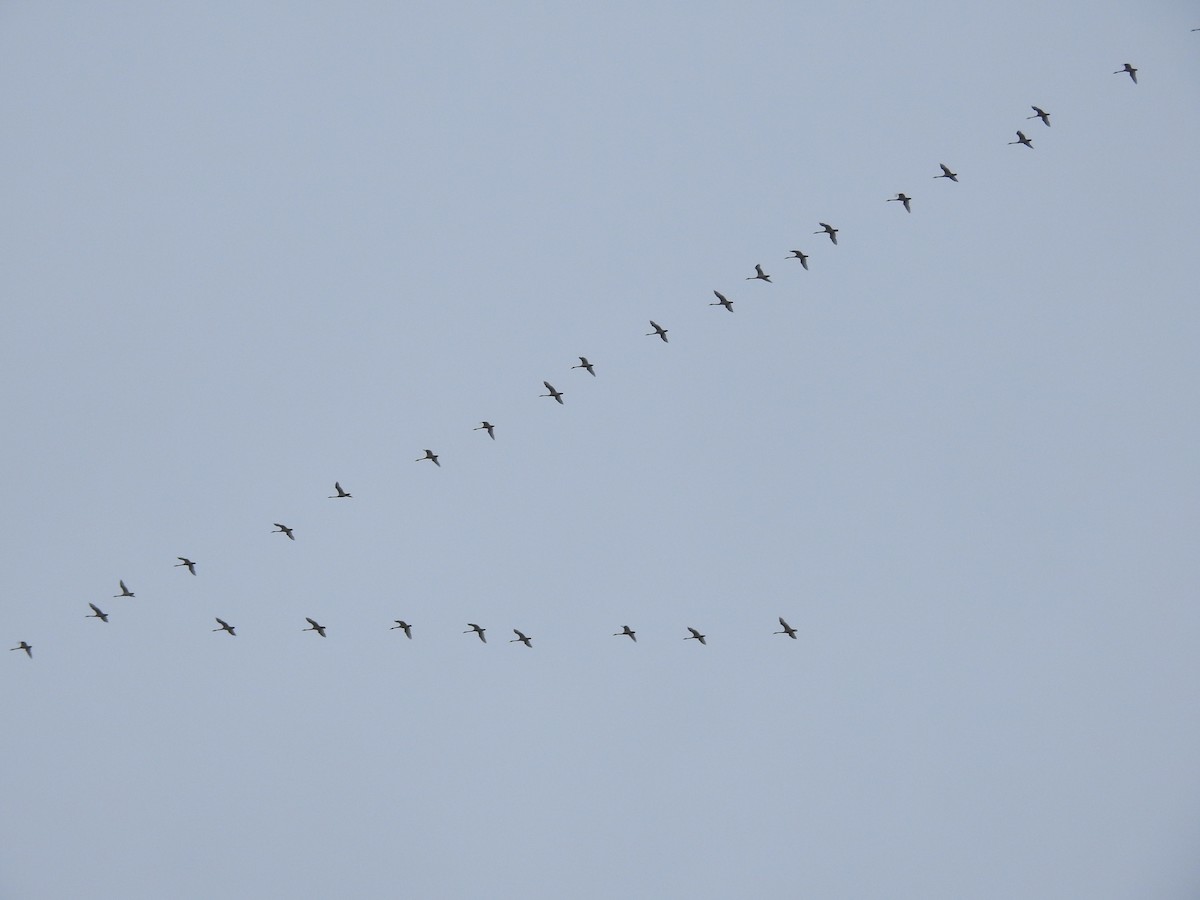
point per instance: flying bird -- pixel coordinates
(400, 623)
(1021, 139)
(557, 395)
(319, 629)
(527, 641)
(479, 631)
(283, 529)
(903, 198)
(337, 486)
(1130, 70)
(760, 276)
(97, 613)
(125, 592)
(28, 648)
(829, 230)
(485, 426)
(1039, 113)
(695, 635)
(184, 561)
(430, 455)
(628, 632)
(659, 330)
(722, 300)
(800, 255)
(584, 364)
(225, 626)
(946, 173)
(787, 629)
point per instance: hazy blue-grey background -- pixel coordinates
(250, 249)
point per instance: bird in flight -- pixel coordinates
(903, 198)
(829, 230)
(225, 626)
(628, 632)
(283, 529)
(479, 631)
(800, 255)
(125, 592)
(1130, 70)
(787, 629)
(319, 629)
(1021, 139)
(659, 330)
(430, 455)
(337, 486)
(584, 364)
(520, 636)
(722, 300)
(1039, 113)
(400, 623)
(485, 426)
(557, 395)
(759, 276)
(184, 561)
(946, 173)
(97, 613)
(28, 648)
(695, 635)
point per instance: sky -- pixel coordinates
(254, 249)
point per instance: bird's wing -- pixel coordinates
(655, 325)
(700, 638)
(222, 622)
(122, 584)
(311, 622)
(95, 608)
(549, 386)
(694, 632)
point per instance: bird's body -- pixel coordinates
(695, 635)
(125, 592)
(659, 330)
(1039, 113)
(557, 395)
(759, 275)
(313, 626)
(722, 300)
(628, 632)
(97, 613)
(283, 529)
(488, 427)
(404, 626)
(829, 230)
(800, 255)
(184, 561)
(787, 629)
(903, 198)
(520, 637)
(28, 648)
(946, 173)
(432, 457)
(340, 494)
(225, 626)
(1021, 139)
(584, 364)
(1129, 70)
(479, 631)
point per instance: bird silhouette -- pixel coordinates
(584, 364)
(527, 641)
(1130, 70)
(479, 631)
(283, 529)
(628, 632)
(1039, 113)
(184, 561)
(659, 330)
(337, 486)
(695, 635)
(903, 198)
(28, 648)
(829, 230)
(488, 427)
(800, 255)
(431, 456)
(787, 629)
(722, 300)
(400, 623)
(319, 629)
(1021, 139)
(946, 173)
(225, 626)
(557, 395)
(125, 592)
(97, 613)
(760, 276)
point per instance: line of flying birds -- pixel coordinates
(553, 393)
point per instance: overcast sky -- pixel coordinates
(254, 249)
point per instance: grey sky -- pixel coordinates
(250, 252)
